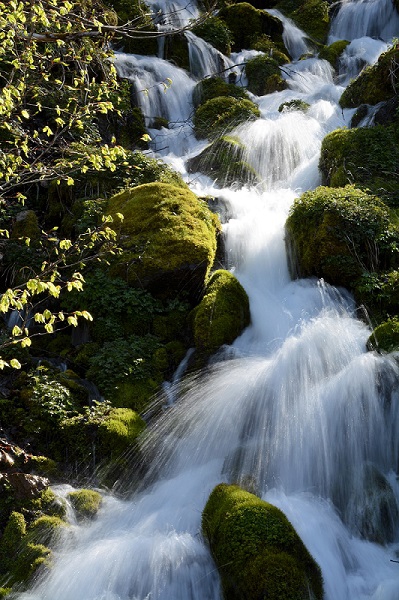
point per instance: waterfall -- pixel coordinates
(298, 406)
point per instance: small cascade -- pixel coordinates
(357, 55)
(172, 14)
(295, 40)
(358, 18)
(205, 60)
(160, 89)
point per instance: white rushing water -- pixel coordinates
(299, 408)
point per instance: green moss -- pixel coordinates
(335, 232)
(374, 84)
(214, 87)
(218, 116)
(223, 160)
(368, 156)
(311, 16)
(333, 52)
(168, 238)
(264, 75)
(119, 431)
(256, 549)
(247, 23)
(221, 315)
(291, 105)
(385, 337)
(214, 31)
(26, 225)
(86, 503)
(47, 530)
(11, 540)
(264, 44)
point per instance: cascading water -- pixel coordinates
(296, 406)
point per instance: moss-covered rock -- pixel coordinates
(119, 431)
(385, 337)
(265, 44)
(214, 31)
(374, 84)
(26, 225)
(312, 16)
(86, 503)
(367, 156)
(218, 116)
(335, 233)
(214, 87)
(168, 237)
(221, 315)
(333, 52)
(292, 105)
(257, 550)
(264, 75)
(176, 50)
(47, 530)
(247, 23)
(223, 160)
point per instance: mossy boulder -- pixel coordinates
(333, 52)
(223, 160)
(221, 315)
(374, 84)
(247, 23)
(219, 116)
(385, 337)
(118, 431)
(367, 156)
(26, 225)
(312, 16)
(86, 503)
(168, 237)
(265, 44)
(292, 105)
(256, 549)
(215, 31)
(264, 75)
(47, 530)
(334, 233)
(215, 87)
(176, 50)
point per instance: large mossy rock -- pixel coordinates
(223, 160)
(214, 31)
(215, 87)
(264, 75)
(374, 84)
(257, 551)
(335, 233)
(367, 156)
(248, 23)
(219, 116)
(221, 315)
(385, 336)
(333, 52)
(312, 16)
(168, 237)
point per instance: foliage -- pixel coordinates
(219, 116)
(86, 503)
(264, 75)
(256, 549)
(222, 314)
(214, 31)
(336, 233)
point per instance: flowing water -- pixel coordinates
(296, 408)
